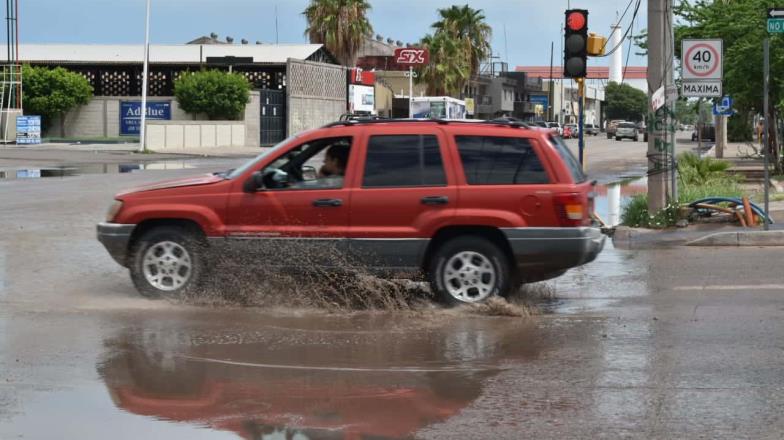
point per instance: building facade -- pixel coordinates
(297, 86)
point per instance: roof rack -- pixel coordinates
(509, 122)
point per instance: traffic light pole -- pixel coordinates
(580, 109)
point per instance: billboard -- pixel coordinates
(28, 129)
(361, 98)
(131, 113)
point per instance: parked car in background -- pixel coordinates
(611, 126)
(591, 129)
(557, 126)
(570, 131)
(477, 207)
(708, 134)
(627, 130)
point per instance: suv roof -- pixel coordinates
(507, 122)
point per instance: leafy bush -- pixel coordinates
(53, 92)
(739, 129)
(635, 214)
(219, 95)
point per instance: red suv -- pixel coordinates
(478, 207)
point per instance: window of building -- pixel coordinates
(500, 161)
(403, 160)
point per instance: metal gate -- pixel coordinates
(273, 116)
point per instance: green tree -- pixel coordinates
(448, 69)
(340, 25)
(623, 101)
(467, 26)
(219, 95)
(742, 26)
(53, 92)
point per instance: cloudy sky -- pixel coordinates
(522, 29)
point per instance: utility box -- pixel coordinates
(596, 44)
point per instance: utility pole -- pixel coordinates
(659, 74)
(551, 107)
(143, 116)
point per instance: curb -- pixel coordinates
(742, 238)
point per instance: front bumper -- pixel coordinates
(544, 250)
(115, 238)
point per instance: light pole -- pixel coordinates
(143, 116)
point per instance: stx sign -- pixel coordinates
(410, 55)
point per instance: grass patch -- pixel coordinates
(698, 178)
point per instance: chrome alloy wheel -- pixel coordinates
(469, 277)
(167, 265)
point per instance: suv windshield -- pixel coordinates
(571, 162)
(234, 173)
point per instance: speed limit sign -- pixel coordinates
(702, 59)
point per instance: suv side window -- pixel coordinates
(316, 164)
(403, 161)
(491, 160)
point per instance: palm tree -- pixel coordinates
(448, 68)
(340, 25)
(468, 26)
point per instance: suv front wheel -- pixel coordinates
(469, 269)
(167, 262)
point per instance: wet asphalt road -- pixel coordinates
(672, 343)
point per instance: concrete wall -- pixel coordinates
(101, 118)
(316, 94)
(178, 135)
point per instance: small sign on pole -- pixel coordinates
(775, 20)
(657, 99)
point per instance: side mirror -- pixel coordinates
(255, 183)
(309, 173)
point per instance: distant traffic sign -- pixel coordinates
(775, 20)
(702, 59)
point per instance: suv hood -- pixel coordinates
(205, 179)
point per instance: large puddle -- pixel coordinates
(11, 173)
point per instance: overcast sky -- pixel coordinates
(522, 29)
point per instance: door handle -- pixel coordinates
(326, 203)
(435, 200)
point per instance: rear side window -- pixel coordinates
(403, 160)
(571, 162)
(491, 160)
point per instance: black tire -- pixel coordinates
(617, 138)
(609, 136)
(469, 243)
(188, 241)
(636, 139)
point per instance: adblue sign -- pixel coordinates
(131, 113)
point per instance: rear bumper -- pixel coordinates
(115, 238)
(544, 250)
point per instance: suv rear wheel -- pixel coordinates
(469, 269)
(167, 262)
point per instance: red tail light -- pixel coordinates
(571, 209)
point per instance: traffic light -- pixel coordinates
(576, 43)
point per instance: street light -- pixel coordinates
(142, 140)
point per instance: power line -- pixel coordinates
(619, 22)
(625, 34)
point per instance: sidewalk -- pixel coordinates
(132, 148)
(697, 235)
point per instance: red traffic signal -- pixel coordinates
(576, 20)
(576, 43)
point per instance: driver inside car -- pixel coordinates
(332, 170)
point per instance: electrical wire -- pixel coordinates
(619, 22)
(629, 52)
(626, 33)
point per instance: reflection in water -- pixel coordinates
(312, 382)
(97, 168)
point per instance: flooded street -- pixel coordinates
(666, 343)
